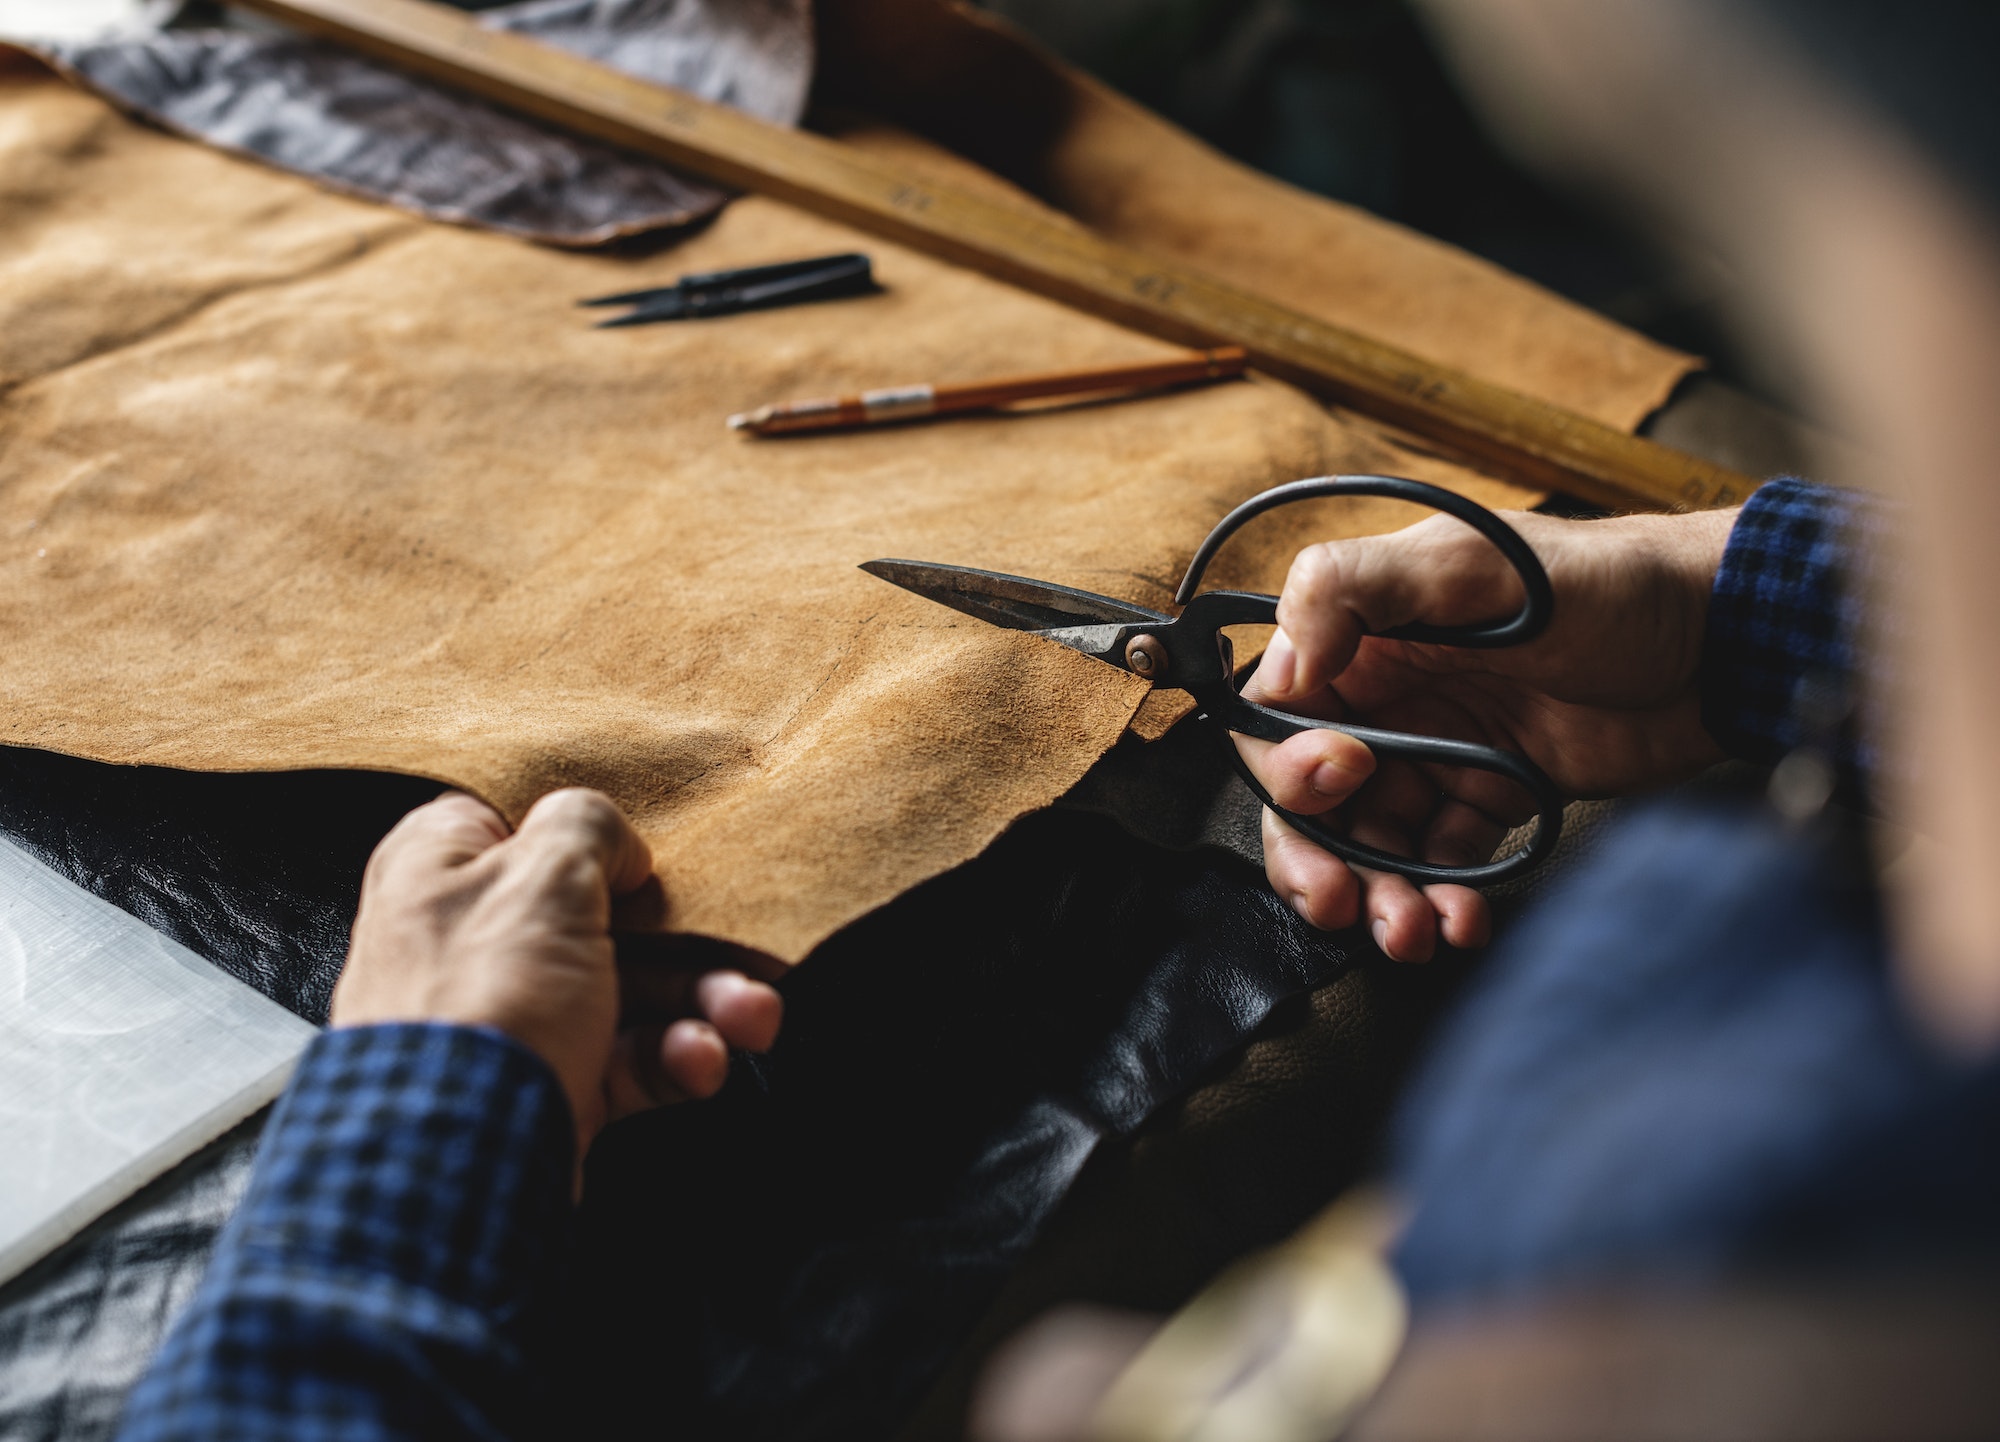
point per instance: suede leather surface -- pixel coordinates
(295, 482)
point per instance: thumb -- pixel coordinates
(1272, 680)
(1338, 592)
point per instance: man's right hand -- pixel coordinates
(1605, 701)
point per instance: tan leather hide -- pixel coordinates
(290, 480)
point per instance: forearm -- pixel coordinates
(398, 1249)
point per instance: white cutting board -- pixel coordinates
(121, 1054)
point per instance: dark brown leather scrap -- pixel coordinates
(319, 110)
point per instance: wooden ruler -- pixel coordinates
(1523, 438)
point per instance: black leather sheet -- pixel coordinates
(76, 1330)
(795, 1259)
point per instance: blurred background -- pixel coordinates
(1346, 98)
(1350, 99)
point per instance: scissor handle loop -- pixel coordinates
(1538, 603)
(1236, 714)
(1222, 706)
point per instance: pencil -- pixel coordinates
(902, 403)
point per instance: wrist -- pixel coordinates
(372, 1101)
(1692, 548)
(1700, 539)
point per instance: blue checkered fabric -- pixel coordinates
(403, 1234)
(1786, 607)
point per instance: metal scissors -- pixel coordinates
(1190, 653)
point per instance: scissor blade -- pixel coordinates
(1016, 602)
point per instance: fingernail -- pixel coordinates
(1330, 778)
(1298, 901)
(1279, 665)
(1380, 931)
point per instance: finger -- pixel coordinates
(1413, 794)
(655, 990)
(1311, 772)
(1400, 800)
(448, 831)
(1458, 835)
(745, 1013)
(1504, 803)
(635, 1078)
(653, 1065)
(1439, 570)
(1461, 835)
(580, 821)
(1399, 918)
(1324, 703)
(694, 1058)
(1272, 680)
(1314, 882)
(1464, 918)
(1401, 921)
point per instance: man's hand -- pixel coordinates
(463, 922)
(1605, 700)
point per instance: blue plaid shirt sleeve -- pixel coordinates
(395, 1256)
(1787, 607)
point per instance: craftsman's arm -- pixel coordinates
(394, 1269)
(401, 1243)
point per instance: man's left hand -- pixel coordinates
(466, 922)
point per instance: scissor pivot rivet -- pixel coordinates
(1145, 656)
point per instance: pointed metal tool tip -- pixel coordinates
(1016, 602)
(641, 317)
(910, 575)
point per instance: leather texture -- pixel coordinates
(316, 109)
(833, 1227)
(803, 1257)
(258, 873)
(78, 1328)
(799, 1258)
